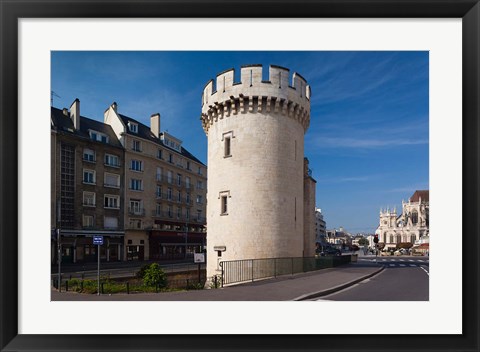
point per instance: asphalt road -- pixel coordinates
(404, 279)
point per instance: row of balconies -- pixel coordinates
(173, 181)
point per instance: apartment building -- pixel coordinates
(87, 168)
(165, 191)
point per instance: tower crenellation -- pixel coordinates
(281, 93)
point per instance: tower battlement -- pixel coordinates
(283, 94)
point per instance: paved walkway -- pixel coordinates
(285, 288)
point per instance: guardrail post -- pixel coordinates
(81, 285)
(128, 288)
(102, 288)
(292, 266)
(66, 286)
(275, 267)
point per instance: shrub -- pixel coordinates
(141, 273)
(154, 276)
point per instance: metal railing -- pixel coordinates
(235, 271)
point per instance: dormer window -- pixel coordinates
(133, 127)
(97, 136)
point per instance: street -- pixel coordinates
(404, 279)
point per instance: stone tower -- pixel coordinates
(255, 130)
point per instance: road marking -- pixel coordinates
(413, 265)
(425, 270)
(391, 264)
(384, 260)
(402, 260)
(410, 260)
(402, 265)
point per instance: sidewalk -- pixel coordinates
(285, 288)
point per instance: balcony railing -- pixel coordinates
(111, 185)
(117, 165)
(88, 204)
(136, 211)
(174, 182)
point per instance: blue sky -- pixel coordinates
(368, 136)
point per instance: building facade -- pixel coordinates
(411, 226)
(165, 191)
(87, 187)
(320, 227)
(256, 185)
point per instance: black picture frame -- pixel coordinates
(11, 11)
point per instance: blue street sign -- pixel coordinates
(98, 240)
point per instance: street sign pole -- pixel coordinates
(98, 240)
(98, 272)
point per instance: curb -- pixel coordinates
(336, 288)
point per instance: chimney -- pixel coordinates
(65, 112)
(114, 106)
(155, 124)
(75, 113)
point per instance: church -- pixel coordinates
(411, 225)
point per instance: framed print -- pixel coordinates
(426, 123)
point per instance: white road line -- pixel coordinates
(410, 260)
(384, 260)
(402, 260)
(402, 265)
(391, 264)
(413, 265)
(425, 270)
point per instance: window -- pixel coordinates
(136, 165)
(133, 127)
(89, 176)
(187, 214)
(136, 145)
(169, 194)
(159, 154)
(112, 160)
(170, 177)
(170, 158)
(226, 146)
(112, 180)
(158, 176)
(99, 137)
(111, 202)
(188, 165)
(89, 155)
(170, 213)
(110, 222)
(188, 198)
(179, 197)
(199, 170)
(158, 209)
(159, 192)
(136, 184)
(179, 213)
(199, 215)
(87, 221)
(199, 199)
(179, 179)
(135, 223)
(224, 205)
(199, 184)
(414, 217)
(187, 182)
(135, 206)
(89, 199)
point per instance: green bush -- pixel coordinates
(141, 273)
(155, 276)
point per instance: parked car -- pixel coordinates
(330, 251)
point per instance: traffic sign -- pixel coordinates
(199, 258)
(98, 240)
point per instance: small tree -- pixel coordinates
(154, 275)
(363, 242)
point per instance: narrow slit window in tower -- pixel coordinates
(224, 205)
(228, 147)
